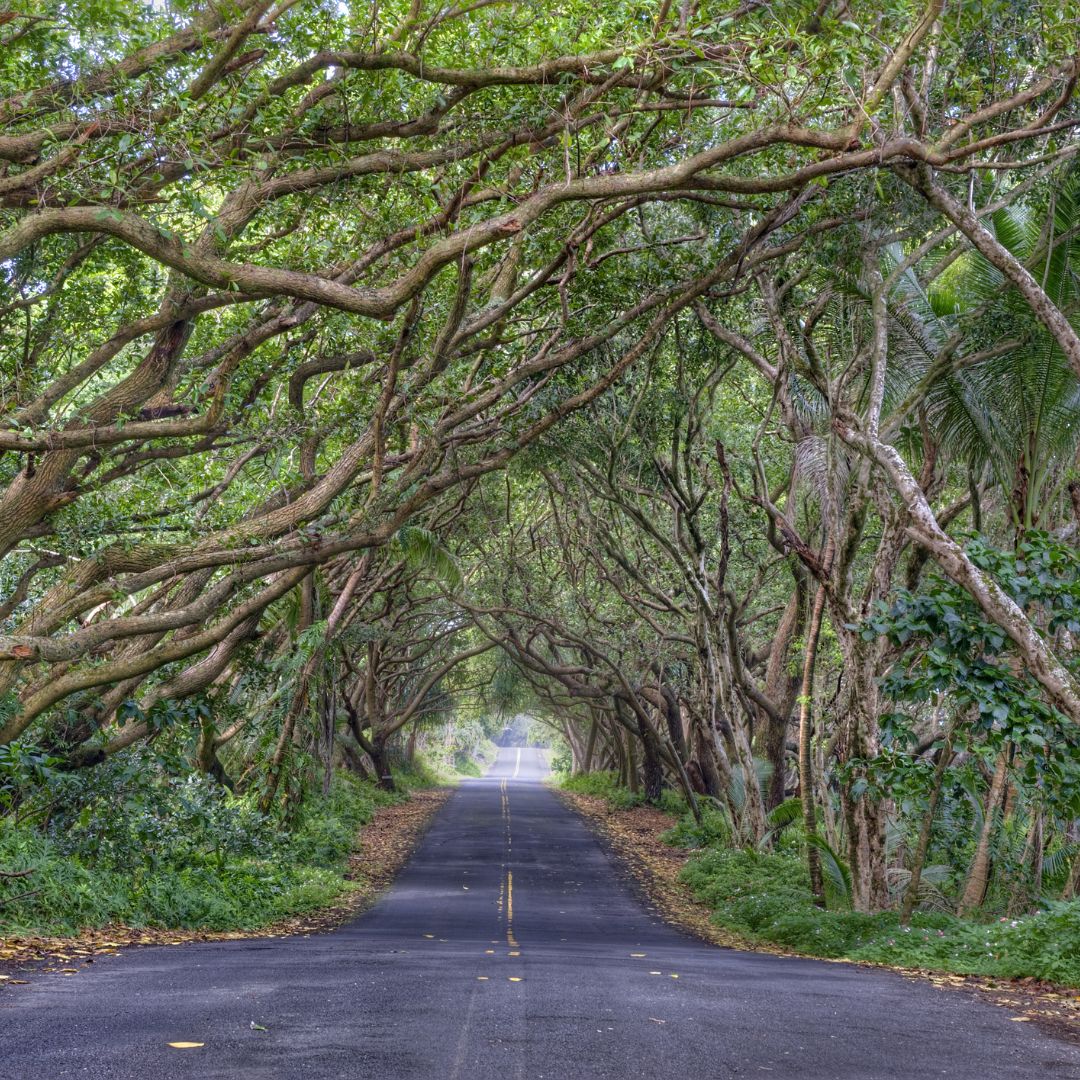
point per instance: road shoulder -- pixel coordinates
(632, 837)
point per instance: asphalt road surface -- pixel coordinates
(511, 948)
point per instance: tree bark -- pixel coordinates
(380, 759)
(806, 773)
(918, 860)
(863, 814)
(781, 688)
(979, 875)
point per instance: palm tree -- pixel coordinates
(1013, 417)
(1016, 415)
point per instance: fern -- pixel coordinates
(1059, 862)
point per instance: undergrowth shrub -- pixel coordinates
(135, 843)
(764, 896)
(714, 828)
(605, 784)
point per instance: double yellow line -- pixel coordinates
(510, 940)
(506, 886)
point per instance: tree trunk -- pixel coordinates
(651, 766)
(705, 756)
(1025, 896)
(806, 771)
(781, 689)
(380, 760)
(864, 816)
(673, 719)
(577, 752)
(281, 750)
(590, 745)
(631, 763)
(617, 744)
(918, 860)
(205, 758)
(354, 758)
(979, 875)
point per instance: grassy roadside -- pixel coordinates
(385, 845)
(218, 869)
(762, 901)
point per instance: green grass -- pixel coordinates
(766, 898)
(418, 775)
(430, 769)
(606, 785)
(267, 874)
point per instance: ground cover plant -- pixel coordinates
(143, 846)
(766, 897)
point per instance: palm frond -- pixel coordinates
(833, 867)
(423, 550)
(780, 818)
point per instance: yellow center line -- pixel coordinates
(510, 940)
(506, 885)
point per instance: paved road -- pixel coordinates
(508, 948)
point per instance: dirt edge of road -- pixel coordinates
(633, 838)
(385, 844)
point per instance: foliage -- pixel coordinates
(695, 379)
(606, 785)
(145, 849)
(951, 651)
(714, 828)
(766, 897)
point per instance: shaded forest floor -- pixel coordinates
(634, 836)
(385, 844)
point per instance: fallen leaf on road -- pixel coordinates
(186, 1045)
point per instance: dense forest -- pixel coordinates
(700, 379)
